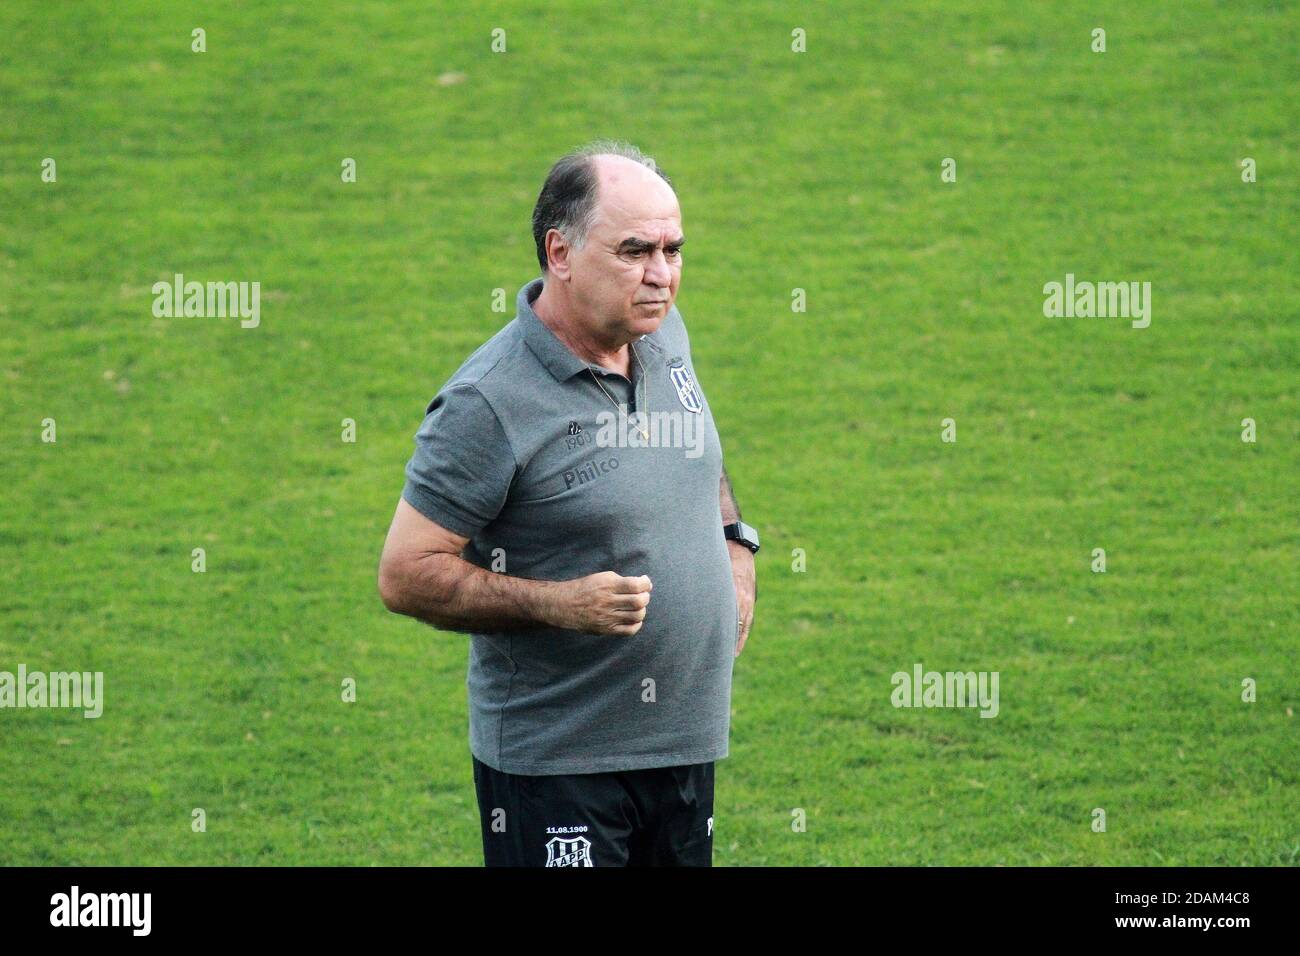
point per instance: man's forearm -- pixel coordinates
(742, 559)
(450, 593)
(727, 501)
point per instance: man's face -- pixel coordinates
(625, 276)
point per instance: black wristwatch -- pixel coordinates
(746, 535)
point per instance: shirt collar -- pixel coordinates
(550, 351)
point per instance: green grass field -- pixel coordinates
(817, 170)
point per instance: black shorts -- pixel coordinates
(657, 817)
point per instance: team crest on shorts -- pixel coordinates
(687, 393)
(569, 852)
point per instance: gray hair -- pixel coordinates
(567, 201)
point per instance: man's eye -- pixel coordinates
(673, 252)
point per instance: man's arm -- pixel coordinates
(730, 510)
(730, 515)
(422, 575)
(742, 566)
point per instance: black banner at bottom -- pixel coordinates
(337, 906)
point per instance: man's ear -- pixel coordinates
(557, 254)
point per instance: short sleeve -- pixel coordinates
(463, 464)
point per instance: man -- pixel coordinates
(599, 564)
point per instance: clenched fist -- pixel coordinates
(603, 603)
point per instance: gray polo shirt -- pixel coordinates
(523, 453)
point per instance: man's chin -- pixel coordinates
(646, 320)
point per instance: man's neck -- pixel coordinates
(616, 358)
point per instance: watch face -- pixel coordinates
(739, 531)
(747, 536)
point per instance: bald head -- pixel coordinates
(628, 190)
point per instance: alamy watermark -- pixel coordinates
(655, 429)
(213, 300)
(923, 688)
(1101, 300)
(80, 690)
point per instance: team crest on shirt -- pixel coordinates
(687, 393)
(575, 851)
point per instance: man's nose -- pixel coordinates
(657, 270)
